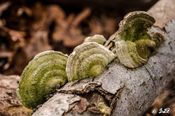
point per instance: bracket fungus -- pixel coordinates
(88, 60)
(132, 43)
(44, 73)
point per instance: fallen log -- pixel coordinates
(123, 91)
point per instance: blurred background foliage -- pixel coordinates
(28, 27)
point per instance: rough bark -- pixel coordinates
(9, 103)
(127, 92)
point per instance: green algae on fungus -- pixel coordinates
(132, 43)
(44, 73)
(88, 60)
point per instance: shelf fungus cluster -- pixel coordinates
(132, 45)
(51, 69)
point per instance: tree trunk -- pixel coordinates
(127, 92)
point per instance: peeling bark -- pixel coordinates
(127, 92)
